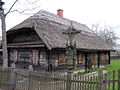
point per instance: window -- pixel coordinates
(80, 58)
(62, 59)
(42, 58)
(13, 55)
(24, 55)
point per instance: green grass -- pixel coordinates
(88, 71)
(115, 65)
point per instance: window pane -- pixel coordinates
(80, 58)
(24, 55)
(62, 59)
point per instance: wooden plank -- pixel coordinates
(100, 80)
(105, 79)
(86, 61)
(96, 79)
(89, 82)
(64, 82)
(91, 88)
(93, 83)
(109, 57)
(85, 83)
(109, 79)
(78, 85)
(80, 82)
(119, 79)
(98, 59)
(113, 79)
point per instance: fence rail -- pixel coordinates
(13, 79)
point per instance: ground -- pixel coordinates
(115, 65)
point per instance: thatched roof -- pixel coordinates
(49, 28)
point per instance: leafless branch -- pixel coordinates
(24, 11)
(11, 7)
(106, 33)
(21, 12)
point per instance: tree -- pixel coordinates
(3, 16)
(106, 33)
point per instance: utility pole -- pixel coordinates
(71, 54)
(4, 40)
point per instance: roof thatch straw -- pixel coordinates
(49, 28)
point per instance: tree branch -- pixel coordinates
(23, 11)
(11, 7)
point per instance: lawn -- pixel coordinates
(115, 65)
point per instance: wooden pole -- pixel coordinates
(69, 80)
(4, 40)
(98, 59)
(109, 57)
(86, 59)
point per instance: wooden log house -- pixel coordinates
(38, 41)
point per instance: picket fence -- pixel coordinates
(14, 79)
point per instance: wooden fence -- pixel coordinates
(11, 79)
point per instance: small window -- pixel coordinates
(11, 55)
(80, 58)
(62, 59)
(24, 55)
(42, 58)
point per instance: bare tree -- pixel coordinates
(106, 33)
(3, 16)
(26, 7)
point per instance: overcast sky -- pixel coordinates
(84, 11)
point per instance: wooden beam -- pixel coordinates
(98, 59)
(108, 57)
(48, 59)
(86, 61)
(25, 46)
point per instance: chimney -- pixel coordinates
(60, 12)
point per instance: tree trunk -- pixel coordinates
(4, 44)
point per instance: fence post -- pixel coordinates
(29, 81)
(30, 86)
(100, 80)
(69, 81)
(13, 78)
(119, 79)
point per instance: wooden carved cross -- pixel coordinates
(71, 46)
